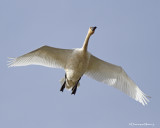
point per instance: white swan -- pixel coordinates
(77, 62)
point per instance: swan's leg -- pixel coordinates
(74, 89)
(64, 84)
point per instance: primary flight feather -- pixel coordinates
(76, 63)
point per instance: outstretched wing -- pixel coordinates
(114, 76)
(44, 56)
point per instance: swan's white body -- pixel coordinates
(76, 66)
(77, 62)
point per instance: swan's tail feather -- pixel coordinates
(67, 87)
(62, 81)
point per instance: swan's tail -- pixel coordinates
(67, 86)
(62, 81)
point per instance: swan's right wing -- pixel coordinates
(114, 76)
(44, 56)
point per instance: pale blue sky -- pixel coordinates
(128, 35)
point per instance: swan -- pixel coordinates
(76, 63)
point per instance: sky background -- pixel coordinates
(127, 34)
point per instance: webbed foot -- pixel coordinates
(74, 89)
(63, 86)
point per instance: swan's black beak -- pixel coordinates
(93, 28)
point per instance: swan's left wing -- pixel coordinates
(114, 76)
(44, 56)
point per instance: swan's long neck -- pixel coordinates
(85, 44)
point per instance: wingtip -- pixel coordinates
(145, 100)
(10, 62)
(142, 97)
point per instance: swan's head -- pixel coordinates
(92, 30)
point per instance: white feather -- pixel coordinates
(114, 76)
(44, 56)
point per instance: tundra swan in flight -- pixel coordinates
(76, 63)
